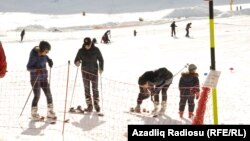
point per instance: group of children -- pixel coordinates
(151, 83)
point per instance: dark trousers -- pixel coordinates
(173, 32)
(186, 99)
(163, 94)
(93, 79)
(187, 34)
(145, 93)
(37, 86)
(21, 38)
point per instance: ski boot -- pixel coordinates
(79, 109)
(155, 112)
(96, 104)
(72, 110)
(97, 108)
(156, 108)
(137, 109)
(50, 113)
(190, 115)
(163, 107)
(35, 116)
(89, 108)
(181, 114)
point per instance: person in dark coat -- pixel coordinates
(187, 29)
(189, 87)
(106, 37)
(39, 78)
(91, 60)
(135, 32)
(3, 62)
(152, 83)
(94, 41)
(22, 34)
(173, 26)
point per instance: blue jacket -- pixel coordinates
(37, 65)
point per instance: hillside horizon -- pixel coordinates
(100, 6)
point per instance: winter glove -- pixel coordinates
(77, 63)
(50, 63)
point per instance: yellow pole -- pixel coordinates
(231, 5)
(212, 44)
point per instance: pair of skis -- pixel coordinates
(144, 112)
(49, 120)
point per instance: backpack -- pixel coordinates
(3, 63)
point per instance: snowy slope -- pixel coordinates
(126, 58)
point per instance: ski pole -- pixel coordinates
(181, 69)
(101, 90)
(65, 104)
(74, 87)
(28, 97)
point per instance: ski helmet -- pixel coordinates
(44, 45)
(192, 67)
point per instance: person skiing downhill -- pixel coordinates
(152, 83)
(91, 60)
(189, 87)
(39, 78)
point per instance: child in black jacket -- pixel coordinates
(189, 87)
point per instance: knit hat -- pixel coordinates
(192, 67)
(86, 41)
(44, 45)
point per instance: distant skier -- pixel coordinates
(94, 41)
(135, 32)
(173, 26)
(106, 37)
(187, 29)
(189, 87)
(3, 63)
(152, 83)
(22, 34)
